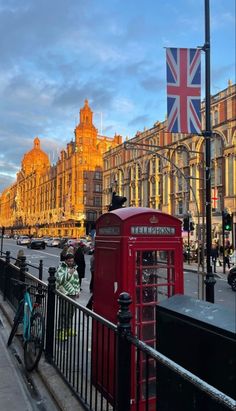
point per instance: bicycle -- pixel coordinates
(33, 326)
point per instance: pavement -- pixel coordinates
(193, 267)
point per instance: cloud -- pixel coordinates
(5, 181)
(139, 120)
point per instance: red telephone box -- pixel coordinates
(137, 250)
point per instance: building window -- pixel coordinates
(91, 215)
(98, 188)
(85, 174)
(216, 118)
(85, 186)
(231, 175)
(97, 175)
(180, 208)
(97, 201)
(85, 200)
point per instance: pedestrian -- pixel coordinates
(66, 250)
(67, 282)
(214, 255)
(227, 256)
(18, 257)
(92, 266)
(80, 262)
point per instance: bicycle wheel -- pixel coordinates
(16, 322)
(33, 347)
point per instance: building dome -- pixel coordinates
(35, 159)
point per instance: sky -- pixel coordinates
(57, 53)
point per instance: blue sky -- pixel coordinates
(57, 53)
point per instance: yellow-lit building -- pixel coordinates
(64, 199)
(166, 171)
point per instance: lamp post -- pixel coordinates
(210, 278)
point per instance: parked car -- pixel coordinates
(232, 258)
(47, 240)
(54, 242)
(23, 240)
(232, 278)
(37, 243)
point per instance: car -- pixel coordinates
(54, 242)
(232, 258)
(37, 243)
(47, 240)
(23, 240)
(6, 236)
(231, 278)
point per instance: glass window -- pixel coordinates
(97, 201)
(231, 176)
(97, 175)
(98, 188)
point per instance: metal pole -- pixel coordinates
(188, 244)
(3, 230)
(223, 239)
(210, 279)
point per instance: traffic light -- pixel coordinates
(186, 223)
(116, 202)
(227, 221)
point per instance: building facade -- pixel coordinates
(166, 171)
(64, 199)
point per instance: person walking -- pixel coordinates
(80, 262)
(227, 256)
(67, 282)
(18, 257)
(92, 266)
(214, 255)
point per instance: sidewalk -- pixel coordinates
(12, 394)
(193, 267)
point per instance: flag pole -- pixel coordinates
(210, 278)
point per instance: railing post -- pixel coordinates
(22, 267)
(50, 314)
(8, 259)
(123, 354)
(40, 269)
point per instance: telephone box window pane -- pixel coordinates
(151, 389)
(149, 294)
(148, 313)
(138, 276)
(138, 301)
(148, 332)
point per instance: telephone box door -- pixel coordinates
(156, 279)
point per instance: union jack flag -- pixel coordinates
(183, 90)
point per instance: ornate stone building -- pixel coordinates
(166, 171)
(61, 199)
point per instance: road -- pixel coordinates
(50, 256)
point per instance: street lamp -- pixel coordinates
(129, 145)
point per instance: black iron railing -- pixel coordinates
(105, 366)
